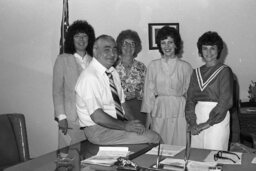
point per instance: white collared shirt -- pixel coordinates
(93, 92)
(83, 61)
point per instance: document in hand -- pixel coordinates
(107, 156)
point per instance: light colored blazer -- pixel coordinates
(66, 71)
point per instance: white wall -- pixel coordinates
(29, 37)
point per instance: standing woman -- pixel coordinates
(68, 66)
(166, 84)
(210, 96)
(132, 72)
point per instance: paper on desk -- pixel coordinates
(254, 160)
(200, 166)
(210, 158)
(178, 164)
(107, 156)
(166, 150)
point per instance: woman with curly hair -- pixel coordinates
(165, 89)
(77, 55)
(210, 96)
(132, 72)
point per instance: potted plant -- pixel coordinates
(252, 94)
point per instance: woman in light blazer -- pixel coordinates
(67, 68)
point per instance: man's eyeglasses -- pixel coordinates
(224, 155)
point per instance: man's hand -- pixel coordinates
(135, 126)
(63, 126)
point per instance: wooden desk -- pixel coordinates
(79, 152)
(86, 149)
(200, 155)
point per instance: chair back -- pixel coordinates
(234, 112)
(13, 140)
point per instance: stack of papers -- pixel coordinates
(179, 164)
(107, 156)
(166, 150)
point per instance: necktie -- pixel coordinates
(119, 111)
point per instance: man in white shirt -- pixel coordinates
(96, 106)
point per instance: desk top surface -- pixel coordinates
(248, 110)
(85, 149)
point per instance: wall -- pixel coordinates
(30, 36)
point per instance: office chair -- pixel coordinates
(243, 126)
(234, 112)
(13, 140)
(248, 126)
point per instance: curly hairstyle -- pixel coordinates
(79, 26)
(166, 32)
(210, 38)
(129, 34)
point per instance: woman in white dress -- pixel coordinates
(165, 88)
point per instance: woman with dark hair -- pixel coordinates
(166, 84)
(68, 66)
(132, 72)
(210, 95)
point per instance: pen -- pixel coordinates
(158, 155)
(67, 128)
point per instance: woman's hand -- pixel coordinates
(130, 95)
(203, 126)
(63, 126)
(194, 129)
(148, 121)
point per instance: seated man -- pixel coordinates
(98, 99)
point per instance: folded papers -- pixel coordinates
(179, 165)
(166, 150)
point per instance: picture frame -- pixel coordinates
(152, 32)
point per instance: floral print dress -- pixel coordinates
(132, 81)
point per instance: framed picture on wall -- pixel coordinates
(152, 32)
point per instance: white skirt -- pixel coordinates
(215, 137)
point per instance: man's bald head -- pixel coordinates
(105, 51)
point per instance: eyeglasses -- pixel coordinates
(220, 155)
(131, 44)
(80, 36)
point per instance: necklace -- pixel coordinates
(128, 64)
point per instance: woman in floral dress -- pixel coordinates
(166, 84)
(132, 72)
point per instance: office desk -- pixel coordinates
(79, 152)
(47, 161)
(200, 155)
